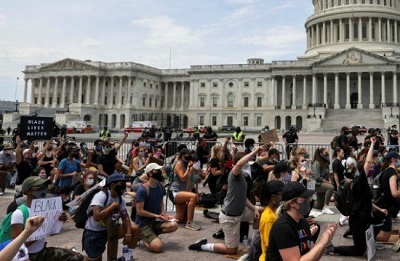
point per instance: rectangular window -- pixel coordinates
(131, 99)
(347, 32)
(151, 85)
(122, 99)
(155, 103)
(201, 120)
(215, 84)
(202, 101)
(246, 84)
(246, 102)
(105, 100)
(113, 100)
(214, 101)
(364, 30)
(143, 101)
(259, 101)
(229, 120)
(245, 121)
(258, 121)
(202, 84)
(214, 120)
(259, 84)
(230, 100)
(144, 84)
(150, 102)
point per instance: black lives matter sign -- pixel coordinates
(36, 128)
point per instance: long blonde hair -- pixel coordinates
(215, 149)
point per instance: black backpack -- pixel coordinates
(344, 199)
(81, 215)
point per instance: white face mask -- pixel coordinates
(90, 182)
(246, 169)
(196, 165)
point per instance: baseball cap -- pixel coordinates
(273, 151)
(274, 186)
(151, 167)
(392, 154)
(33, 181)
(113, 178)
(295, 189)
(282, 167)
(8, 146)
(351, 160)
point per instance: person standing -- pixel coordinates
(238, 135)
(291, 139)
(7, 165)
(2, 132)
(8, 130)
(394, 139)
(105, 133)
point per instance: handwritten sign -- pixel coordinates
(371, 249)
(36, 128)
(268, 136)
(50, 208)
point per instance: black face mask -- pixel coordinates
(120, 189)
(158, 176)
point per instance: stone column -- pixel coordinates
(88, 89)
(182, 94)
(304, 92)
(174, 96)
(332, 32)
(388, 34)
(111, 92)
(39, 100)
(370, 29)
(326, 90)
(395, 32)
(340, 31)
(359, 105)
(323, 33)
(128, 95)
(120, 92)
(318, 37)
(351, 31)
(283, 105)
(46, 101)
(25, 89)
(311, 36)
(64, 86)
(55, 95)
(379, 30)
(337, 101)
(371, 91)
(348, 105)
(273, 84)
(191, 86)
(395, 99)
(383, 88)
(314, 89)
(80, 91)
(166, 95)
(294, 92)
(33, 91)
(103, 91)
(71, 94)
(96, 92)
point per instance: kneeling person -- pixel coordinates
(151, 215)
(101, 208)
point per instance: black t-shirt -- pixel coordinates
(290, 136)
(338, 168)
(214, 163)
(24, 170)
(201, 153)
(108, 161)
(388, 200)
(287, 233)
(79, 190)
(362, 193)
(393, 140)
(343, 139)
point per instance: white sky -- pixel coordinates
(198, 32)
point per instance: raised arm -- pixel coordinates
(369, 159)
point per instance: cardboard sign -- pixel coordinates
(50, 208)
(369, 237)
(36, 128)
(269, 136)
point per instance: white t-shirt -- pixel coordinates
(100, 200)
(18, 218)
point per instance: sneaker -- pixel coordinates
(197, 245)
(192, 226)
(347, 233)
(327, 211)
(219, 234)
(1, 192)
(343, 220)
(396, 246)
(329, 250)
(379, 246)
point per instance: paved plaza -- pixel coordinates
(176, 244)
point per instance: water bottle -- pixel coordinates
(125, 252)
(245, 243)
(130, 253)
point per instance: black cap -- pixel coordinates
(273, 151)
(274, 186)
(295, 189)
(282, 167)
(392, 154)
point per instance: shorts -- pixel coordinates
(150, 231)
(231, 226)
(94, 242)
(387, 223)
(56, 253)
(172, 195)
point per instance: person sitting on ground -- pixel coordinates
(69, 168)
(107, 163)
(321, 174)
(291, 236)
(282, 171)
(36, 188)
(273, 159)
(151, 216)
(101, 208)
(185, 201)
(7, 165)
(236, 208)
(47, 159)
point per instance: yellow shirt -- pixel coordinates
(268, 218)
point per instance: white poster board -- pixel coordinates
(369, 237)
(50, 208)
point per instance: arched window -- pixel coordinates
(230, 99)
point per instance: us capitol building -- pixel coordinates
(347, 75)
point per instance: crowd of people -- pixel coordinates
(253, 184)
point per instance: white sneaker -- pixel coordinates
(328, 211)
(343, 220)
(1, 192)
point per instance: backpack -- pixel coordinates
(5, 231)
(344, 199)
(335, 142)
(376, 186)
(208, 200)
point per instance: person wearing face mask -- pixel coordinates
(47, 160)
(94, 153)
(291, 236)
(320, 167)
(24, 163)
(202, 152)
(273, 159)
(151, 216)
(69, 168)
(7, 165)
(94, 238)
(88, 181)
(282, 171)
(35, 188)
(343, 141)
(217, 152)
(107, 163)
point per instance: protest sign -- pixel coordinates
(36, 128)
(369, 237)
(268, 136)
(50, 208)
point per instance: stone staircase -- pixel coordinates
(335, 119)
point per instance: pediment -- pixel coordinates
(354, 56)
(67, 64)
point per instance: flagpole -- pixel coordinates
(16, 87)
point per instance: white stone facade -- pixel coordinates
(351, 63)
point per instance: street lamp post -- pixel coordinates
(67, 106)
(16, 106)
